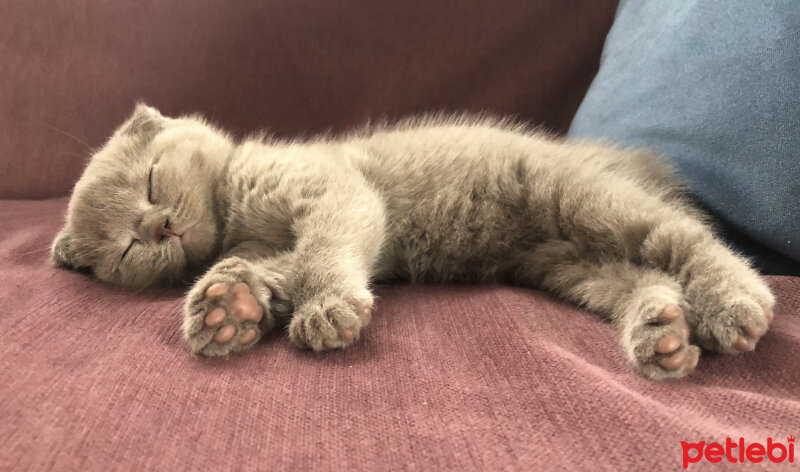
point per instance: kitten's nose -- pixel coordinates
(163, 229)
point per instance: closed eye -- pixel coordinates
(128, 248)
(150, 187)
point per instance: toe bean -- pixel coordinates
(667, 344)
(225, 334)
(215, 317)
(673, 362)
(216, 290)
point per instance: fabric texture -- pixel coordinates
(715, 86)
(97, 378)
(470, 378)
(71, 70)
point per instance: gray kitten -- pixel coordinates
(293, 232)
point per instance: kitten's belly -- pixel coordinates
(459, 215)
(473, 244)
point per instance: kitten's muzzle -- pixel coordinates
(163, 230)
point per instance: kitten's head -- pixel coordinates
(143, 212)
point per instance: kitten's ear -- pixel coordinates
(143, 109)
(146, 121)
(60, 251)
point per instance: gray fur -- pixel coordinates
(429, 199)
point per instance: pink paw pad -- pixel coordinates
(363, 308)
(216, 290)
(672, 342)
(247, 337)
(225, 334)
(671, 313)
(673, 362)
(753, 333)
(683, 359)
(668, 344)
(742, 344)
(215, 317)
(244, 307)
(365, 313)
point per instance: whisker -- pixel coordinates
(35, 251)
(77, 139)
(181, 207)
(41, 249)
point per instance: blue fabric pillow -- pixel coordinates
(715, 86)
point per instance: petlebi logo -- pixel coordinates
(737, 452)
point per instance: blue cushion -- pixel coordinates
(715, 86)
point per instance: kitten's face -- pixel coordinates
(144, 211)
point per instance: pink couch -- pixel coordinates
(96, 378)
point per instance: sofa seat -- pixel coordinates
(96, 378)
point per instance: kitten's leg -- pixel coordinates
(731, 306)
(326, 277)
(646, 305)
(234, 304)
(337, 246)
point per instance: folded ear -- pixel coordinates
(60, 250)
(145, 122)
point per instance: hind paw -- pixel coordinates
(656, 340)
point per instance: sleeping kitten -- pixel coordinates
(292, 232)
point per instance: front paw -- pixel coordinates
(228, 310)
(330, 322)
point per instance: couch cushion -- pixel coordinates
(96, 378)
(71, 71)
(714, 85)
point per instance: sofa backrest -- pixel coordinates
(71, 71)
